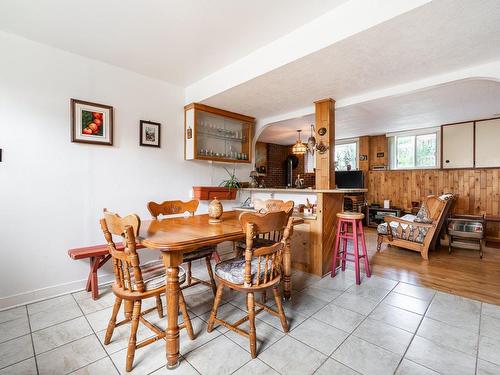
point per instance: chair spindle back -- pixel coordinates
(269, 258)
(126, 263)
(273, 205)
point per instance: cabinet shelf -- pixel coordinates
(210, 135)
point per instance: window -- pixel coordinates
(346, 154)
(414, 149)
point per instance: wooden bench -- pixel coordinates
(98, 256)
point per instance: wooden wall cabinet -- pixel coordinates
(217, 135)
(458, 145)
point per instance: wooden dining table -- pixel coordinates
(175, 236)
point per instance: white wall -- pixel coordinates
(52, 191)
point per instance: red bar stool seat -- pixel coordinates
(340, 252)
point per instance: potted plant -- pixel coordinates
(226, 190)
(233, 184)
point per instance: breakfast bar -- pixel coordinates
(311, 241)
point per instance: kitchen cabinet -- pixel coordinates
(487, 135)
(458, 145)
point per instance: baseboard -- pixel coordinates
(48, 292)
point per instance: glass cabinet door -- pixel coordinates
(221, 138)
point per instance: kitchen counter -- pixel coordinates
(305, 191)
(298, 215)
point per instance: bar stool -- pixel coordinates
(343, 221)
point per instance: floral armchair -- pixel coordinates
(417, 232)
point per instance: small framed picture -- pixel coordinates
(150, 134)
(91, 123)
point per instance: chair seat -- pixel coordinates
(420, 233)
(351, 215)
(199, 253)
(233, 270)
(153, 275)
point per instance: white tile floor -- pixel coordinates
(380, 327)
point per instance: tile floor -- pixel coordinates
(380, 327)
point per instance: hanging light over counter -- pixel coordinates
(299, 148)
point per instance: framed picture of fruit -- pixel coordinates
(149, 134)
(91, 123)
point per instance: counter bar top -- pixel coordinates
(305, 191)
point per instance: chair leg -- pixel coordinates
(356, 251)
(188, 274)
(251, 322)
(216, 255)
(213, 314)
(345, 230)
(263, 297)
(213, 285)
(112, 321)
(132, 342)
(363, 248)
(277, 299)
(379, 243)
(185, 315)
(159, 306)
(336, 251)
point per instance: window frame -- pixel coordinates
(392, 143)
(347, 141)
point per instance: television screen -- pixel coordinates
(349, 179)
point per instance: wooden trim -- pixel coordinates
(441, 148)
(324, 100)
(474, 144)
(218, 111)
(222, 160)
(185, 135)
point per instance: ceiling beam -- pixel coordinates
(489, 71)
(347, 19)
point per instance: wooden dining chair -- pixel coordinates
(266, 239)
(168, 208)
(135, 282)
(272, 205)
(261, 268)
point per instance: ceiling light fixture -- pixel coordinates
(299, 148)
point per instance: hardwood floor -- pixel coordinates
(462, 273)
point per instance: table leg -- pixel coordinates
(171, 260)
(287, 271)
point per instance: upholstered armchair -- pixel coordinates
(417, 232)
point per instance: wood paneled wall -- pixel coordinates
(478, 189)
(378, 145)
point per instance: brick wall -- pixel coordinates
(276, 167)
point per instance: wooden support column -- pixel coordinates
(325, 166)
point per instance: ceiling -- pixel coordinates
(433, 39)
(179, 41)
(455, 102)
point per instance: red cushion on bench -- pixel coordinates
(93, 251)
